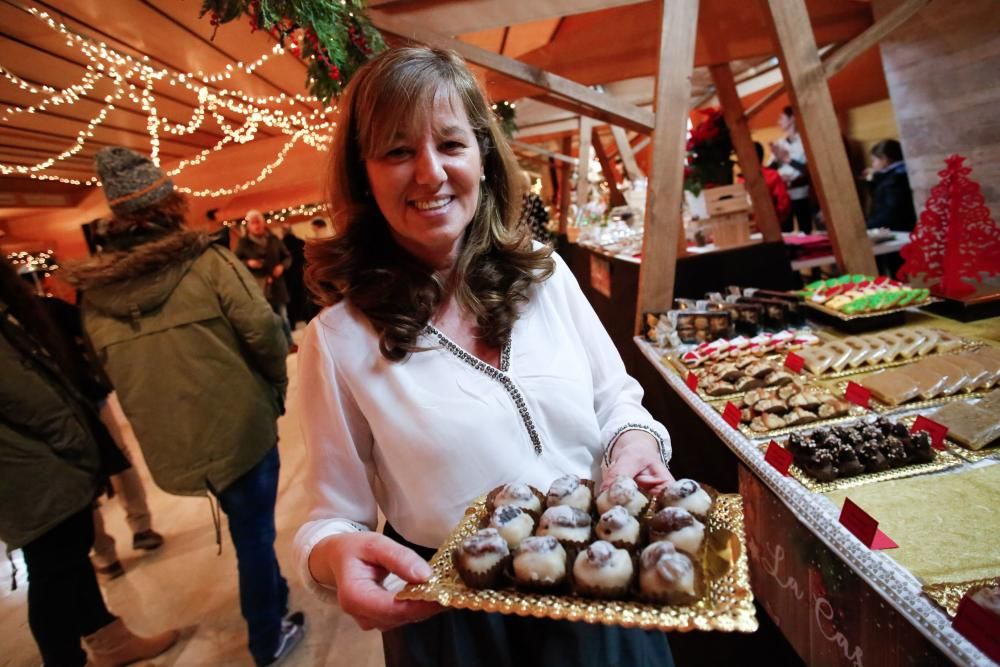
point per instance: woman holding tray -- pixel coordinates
(455, 356)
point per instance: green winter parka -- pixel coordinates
(196, 355)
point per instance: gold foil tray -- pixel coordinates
(960, 450)
(966, 345)
(726, 607)
(948, 595)
(942, 461)
(861, 316)
(882, 408)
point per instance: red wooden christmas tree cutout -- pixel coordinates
(956, 239)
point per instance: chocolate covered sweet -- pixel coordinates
(540, 562)
(845, 451)
(686, 494)
(624, 492)
(567, 524)
(667, 575)
(618, 527)
(513, 523)
(481, 557)
(601, 570)
(569, 490)
(517, 494)
(679, 527)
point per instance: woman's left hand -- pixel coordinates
(636, 454)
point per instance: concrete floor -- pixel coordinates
(185, 584)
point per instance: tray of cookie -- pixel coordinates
(771, 412)
(934, 380)
(876, 351)
(726, 368)
(676, 562)
(866, 451)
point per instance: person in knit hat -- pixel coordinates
(160, 292)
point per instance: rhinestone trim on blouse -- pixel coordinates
(500, 375)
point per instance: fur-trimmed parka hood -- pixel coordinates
(125, 284)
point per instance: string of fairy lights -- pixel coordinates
(136, 80)
(281, 215)
(29, 262)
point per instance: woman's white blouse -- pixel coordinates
(424, 437)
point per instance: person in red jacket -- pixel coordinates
(776, 186)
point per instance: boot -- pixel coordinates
(114, 645)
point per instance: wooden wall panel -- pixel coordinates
(941, 68)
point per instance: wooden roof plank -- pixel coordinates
(587, 100)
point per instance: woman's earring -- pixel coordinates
(482, 177)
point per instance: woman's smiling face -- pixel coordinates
(426, 182)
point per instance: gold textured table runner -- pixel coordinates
(947, 526)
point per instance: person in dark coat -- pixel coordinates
(891, 197)
(297, 296)
(268, 259)
(55, 458)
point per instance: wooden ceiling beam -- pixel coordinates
(475, 15)
(531, 148)
(616, 198)
(872, 36)
(587, 102)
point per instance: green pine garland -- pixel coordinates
(505, 113)
(333, 36)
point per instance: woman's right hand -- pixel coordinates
(357, 565)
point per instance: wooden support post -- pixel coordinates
(664, 230)
(583, 166)
(616, 198)
(565, 196)
(625, 150)
(739, 131)
(817, 122)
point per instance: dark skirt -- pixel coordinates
(460, 638)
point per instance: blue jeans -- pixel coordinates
(249, 504)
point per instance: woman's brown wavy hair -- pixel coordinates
(363, 263)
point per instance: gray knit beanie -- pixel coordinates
(131, 181)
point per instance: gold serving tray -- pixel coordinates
(861, 316)
(683, 369)
(960, 450)
(943, 460)
(847, 372)
(883, 409)
(948, 595)
(726, 607)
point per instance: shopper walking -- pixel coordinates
(55, 456)
(198, 359)
(444, 319)
(268, 260)
(789, 159)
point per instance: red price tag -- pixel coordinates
(692, 381)
(933, 429)
(731, 415)
(979, 626)
(857, 394)
(779, 457)
(864, 527)
(794, 362)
